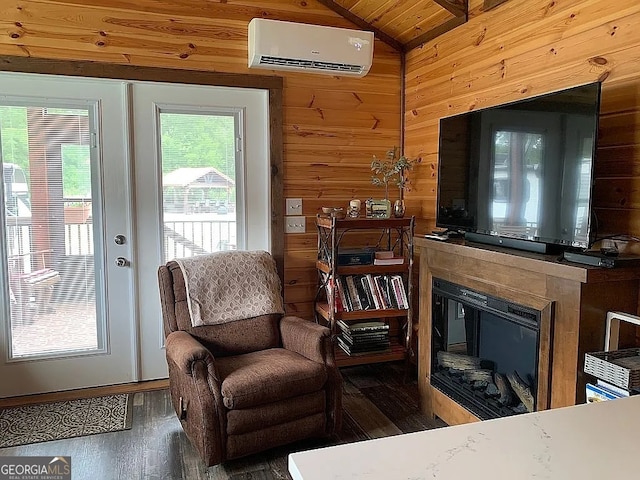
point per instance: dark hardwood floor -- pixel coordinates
(377, 403)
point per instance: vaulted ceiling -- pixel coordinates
(405, 24)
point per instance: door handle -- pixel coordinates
(122, 262)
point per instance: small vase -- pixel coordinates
(398, 209)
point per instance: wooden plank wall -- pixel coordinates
(333, 125)
(529, 47)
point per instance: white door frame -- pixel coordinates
(116, 363)
(149, 99)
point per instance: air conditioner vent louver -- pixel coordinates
(295, 62)
(278, 45)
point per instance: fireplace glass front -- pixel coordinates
(484, 351)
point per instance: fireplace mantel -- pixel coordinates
(578, 297)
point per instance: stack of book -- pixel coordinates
(606, 391)
(387, 257)
(363, 337)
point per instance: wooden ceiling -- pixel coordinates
(403, 24)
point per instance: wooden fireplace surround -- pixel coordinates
(573, 299)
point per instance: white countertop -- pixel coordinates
(591, 441)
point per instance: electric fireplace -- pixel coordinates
(484, 352)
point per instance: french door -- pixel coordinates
(202, 185)
(67, 301)
(103, 182)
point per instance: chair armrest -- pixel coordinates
(185, 351)
(194, 383)
(306, 338)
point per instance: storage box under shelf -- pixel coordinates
(619, 367)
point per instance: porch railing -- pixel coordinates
(181, 238)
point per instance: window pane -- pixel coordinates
(199, 183)
(49, 232)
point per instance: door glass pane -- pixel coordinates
(48, 231)
(199, 188)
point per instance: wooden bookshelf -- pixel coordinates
(395, 234)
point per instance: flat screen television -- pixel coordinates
(520, 174)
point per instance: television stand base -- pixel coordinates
(517, 243)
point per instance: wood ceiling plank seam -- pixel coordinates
(443, 23)
(373, 15)
(412, 15)
(458, 8)
(348, 4)
(362, 24)
(408, 24)
(363, 8)
(490, 4)
(436, 32)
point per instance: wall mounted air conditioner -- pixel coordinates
(278, 45)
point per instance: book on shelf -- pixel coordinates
(365, 340)
(353, 293)
(355, 256)
(596, 393)
(365, 335)
(344, 298)
(385, 291)
(615, 389)
(370, 326)
(353, 351)
(330, 285)
(368, 278)
(380, 254)
(363, 297)
(398, 289)
(366, 292)
(389, 261)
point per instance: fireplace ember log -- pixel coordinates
(481, 375)
(492, 390)
(520, 408)
(506, 397)
(480, 385)
(522, 390)
(457, 361)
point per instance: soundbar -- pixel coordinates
(508, 242)
(598, 259)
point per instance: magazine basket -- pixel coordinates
(619, 367)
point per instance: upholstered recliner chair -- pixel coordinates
(243, 380)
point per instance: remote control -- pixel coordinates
(436, 237)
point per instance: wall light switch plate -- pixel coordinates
(294, 206)
(294, 224)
